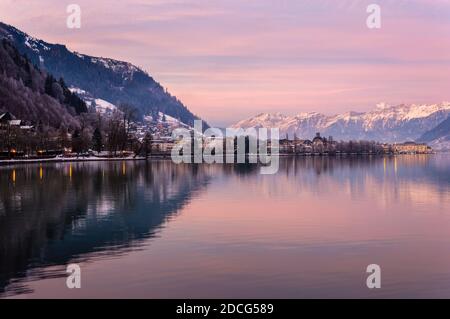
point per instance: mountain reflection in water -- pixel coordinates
(55, 214)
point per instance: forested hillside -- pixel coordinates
(33, 95)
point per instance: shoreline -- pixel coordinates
(68, 160)
(163, 157)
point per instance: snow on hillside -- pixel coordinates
(101, 106)
(77, 91)
(441, 144)
(35, 44)
(164, 118)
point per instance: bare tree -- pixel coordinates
(129, 115)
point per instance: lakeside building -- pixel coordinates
(412, 148)
(328, 146)
(318, 144)
(303, 146)
(7, 120)
(286, 146)
(162, 145)
(323, 145)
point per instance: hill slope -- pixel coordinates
(438, 137)
(32, 95)
(111, 80)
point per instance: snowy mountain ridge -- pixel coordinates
(386, 123)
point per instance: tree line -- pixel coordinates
(96, 134)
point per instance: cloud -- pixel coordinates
(227, 59)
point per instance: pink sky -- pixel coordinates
(231, 59)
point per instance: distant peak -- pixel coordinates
(383, 105)
(270, 115)
(308, 114)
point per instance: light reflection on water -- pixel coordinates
(162, 230)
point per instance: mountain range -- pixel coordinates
(29, 69)
(386, 123)
(106, 79)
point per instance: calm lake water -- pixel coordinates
(160, 230)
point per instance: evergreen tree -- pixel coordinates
(97, 140)
(49, 85)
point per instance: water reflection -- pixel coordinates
(55, 214)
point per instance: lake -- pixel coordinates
(160, 230)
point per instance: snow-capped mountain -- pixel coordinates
(385, 123)
(104, 78)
